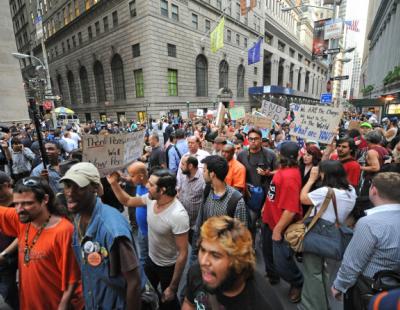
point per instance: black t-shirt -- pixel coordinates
(265, 159)
(157, 157)
(257, 295)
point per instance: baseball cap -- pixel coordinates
(366, 124)
(4, 178)
(83, 174)
(289, 149)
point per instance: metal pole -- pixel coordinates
(35, 114)
(330, 43)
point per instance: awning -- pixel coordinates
(368, 102)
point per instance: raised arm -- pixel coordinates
(121, 195)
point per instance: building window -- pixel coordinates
(99, 82)
(171, 50)
(238, 10)
(87, 4)
(201, 76)
(268, 39)
(73, 41)
(300, 58)
(245, 42)
(172, 82)
(219, 4)
(164, 8)
(68, 45)
(90, 35)
(132, 8)
(63, 47)
(223, 74)
(254, 83)
(83, 76)
(281, 46)
(175, 12)
(80, 38)
(237, 39)
(71, 12)
(291, 52)
(105, 23)
(115, 18)
(139, 83)
(76, 6)
(195, 21)
(136, 50)
(72, 88)
(207, 24)
(240, 81)
(117, 70)
(97, 28)
(228, 35)
(255, 70)
(60, 85)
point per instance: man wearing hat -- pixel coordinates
(102, 243)
(281, 208)
(218, 145)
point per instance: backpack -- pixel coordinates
(232, 203)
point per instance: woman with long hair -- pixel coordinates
(332, 175)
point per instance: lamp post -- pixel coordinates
(187, 106)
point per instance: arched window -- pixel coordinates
(240, 81)
(201, 76)
(223, 74)
(117, 69)
(71, 86)
(60, 85)
(99, 82)
(83, 76)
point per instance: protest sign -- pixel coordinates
(112, 152)
(259, 121)
(315, 122)
(237, 113)
(220, 114)
(199, 112)
(273, 111)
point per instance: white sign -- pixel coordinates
(273, 111)
(112, 152)
(333, 30)
(39, 27)
(220, 114)
(199, 112)
(318, 123)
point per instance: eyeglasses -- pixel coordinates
(254, 138)
(30, 182)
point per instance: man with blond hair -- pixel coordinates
(225, 276)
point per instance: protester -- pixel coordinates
(375, 245)
(48, 272)
(236, 176)
(168, 224)
(218, 145)
(333, 175)
(176, 152)
(102, 243)
(190, 189)
(21, 159)
(157, 156)
(281, 208)
(225, 275)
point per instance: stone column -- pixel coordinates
(274, 69)
(295, 77)
(302, 79)
(311, 85)
(286, 72)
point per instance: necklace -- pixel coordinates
(28, 248)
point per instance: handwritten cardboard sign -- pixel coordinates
(220, 114)
(258, 121)
(237, 113)
(315, 122)
(273, 111)
(112, 152)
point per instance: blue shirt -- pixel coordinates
(54, 177)
(173, 157)
(141, 212)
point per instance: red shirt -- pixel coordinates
(353, 171)
(283, 194)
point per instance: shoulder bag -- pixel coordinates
(296, 232)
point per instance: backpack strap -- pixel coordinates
(177, 151)
(232, 203)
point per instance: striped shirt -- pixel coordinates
(375, 246)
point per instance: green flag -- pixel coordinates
(217, 36)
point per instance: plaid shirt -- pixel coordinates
(191, 194)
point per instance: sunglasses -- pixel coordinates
(30, 182)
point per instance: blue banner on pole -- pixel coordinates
(253, 55)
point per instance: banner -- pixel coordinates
(217, 36)
(247, 5)
(352, 25)
(319, 43)
(220, 114)
(273, 111)
(258, 121)
(112, 152)
(333, 29)
(237, 113)
(253, 54)
(318, 123)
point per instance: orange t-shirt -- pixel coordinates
(52, 265)
(236, 176)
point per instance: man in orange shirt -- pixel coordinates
(49, 276)
(236, 176)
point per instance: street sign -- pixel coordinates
(326, 98)
(339, 78)
(331, 51)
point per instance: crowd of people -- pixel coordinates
(177, 229)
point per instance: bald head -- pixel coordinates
(138, 173)
(228, 151)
